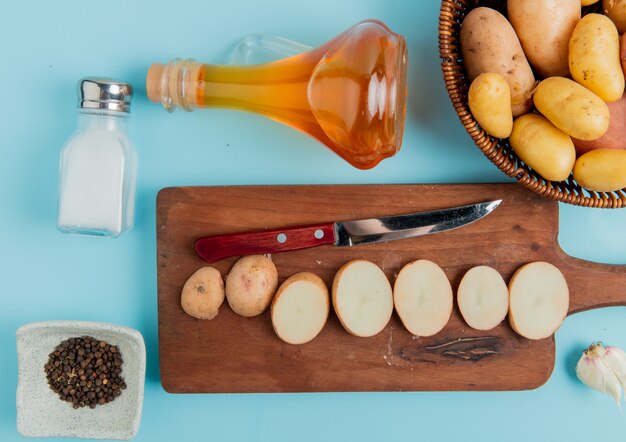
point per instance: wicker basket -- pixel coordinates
(498, 150)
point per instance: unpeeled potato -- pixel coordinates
(543, 147)
(489, 44)
(616, 11)
(251, 284)
(544, 28)
(623, 53)
(615, 136)
(572, 108)
(601, 170)
(594, 57)
(489, 100)
(203, 293)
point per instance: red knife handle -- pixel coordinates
(214, 248)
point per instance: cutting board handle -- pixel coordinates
(593, 285)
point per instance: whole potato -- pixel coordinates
(572, 108)
(490, 102)
(489, 44)
(251, 284)
(543, 147)
(594, 57)
(602, 170)
(544, 28)
(615, 136)
(203, 293)
(616, 11)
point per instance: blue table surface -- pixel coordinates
(46, 46)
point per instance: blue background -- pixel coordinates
(46, 46)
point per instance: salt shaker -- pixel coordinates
(98, 165)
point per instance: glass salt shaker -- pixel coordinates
(98, 164)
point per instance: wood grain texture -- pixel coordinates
(235, 354)
(217, 247)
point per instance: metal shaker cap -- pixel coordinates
(104, 93)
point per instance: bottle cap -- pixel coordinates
(104, 93)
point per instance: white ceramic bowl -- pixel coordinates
(40, 411)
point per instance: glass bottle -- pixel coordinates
(265, 48)
(98, 164)
(350, 93)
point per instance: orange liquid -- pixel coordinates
(349, 94)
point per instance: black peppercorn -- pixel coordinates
(85, 372)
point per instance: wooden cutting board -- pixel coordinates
(235, 354)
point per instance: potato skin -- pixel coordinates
(615, 136)
(203, 293)
(602, 170)
(616, 11)
(544, 28)
(623, 53)
(251, 284)
(594, 58)
(490, 102)
(543, 147)
(572, 108)
(489, 44)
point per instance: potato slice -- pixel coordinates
(300, 308)
(203, 293)
(539, 300)
(483, 298)
(251, 284)
(362, 298)
(423, 297)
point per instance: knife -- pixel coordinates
(342, 234)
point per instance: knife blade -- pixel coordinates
(341, 234)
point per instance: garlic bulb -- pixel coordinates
(603, 369)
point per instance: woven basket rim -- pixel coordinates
(497, 150)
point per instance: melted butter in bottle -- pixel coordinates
(349, 93)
